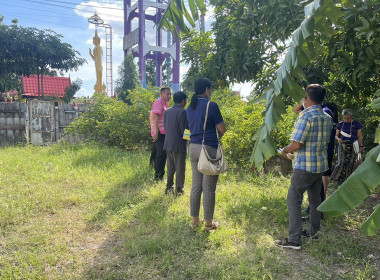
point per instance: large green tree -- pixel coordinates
(28, 50)
(128, 78)
(53, 54)
(198, 52)
(250, 35)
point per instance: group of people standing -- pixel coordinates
(312, 146)
(169, 145)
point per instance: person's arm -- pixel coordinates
(183, 121)
(337, 136)
(291, 148)
(298, 108)
(360, 140)
(217, 117)
(221, 129)
(155, 127)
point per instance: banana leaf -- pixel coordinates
(362, 182)
(177, 15)
(372, 225)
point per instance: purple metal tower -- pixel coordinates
(136, 44)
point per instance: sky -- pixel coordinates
(70, 19)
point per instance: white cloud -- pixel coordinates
(115, 18)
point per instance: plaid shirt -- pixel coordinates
(312, 129)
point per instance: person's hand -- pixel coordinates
(361, 149)
(340, 140)
(155, 136)
(284, 154)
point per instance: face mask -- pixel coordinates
(303, 103)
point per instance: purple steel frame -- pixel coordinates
(143, 50)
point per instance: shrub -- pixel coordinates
(116, 123)
(284, 128)
(243, 119)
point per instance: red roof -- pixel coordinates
(53, 86)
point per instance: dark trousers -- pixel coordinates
(160, 160)
(301, 182)
(152, 155)
(176, 165)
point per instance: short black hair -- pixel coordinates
(179, 96)
(316, 92)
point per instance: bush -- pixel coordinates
(284, 128)
(116, 123)
(243, 119)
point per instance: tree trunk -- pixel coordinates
(203, 29)
(19, 88)
(42, 83)
(38, 82)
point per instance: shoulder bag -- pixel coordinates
(206, 164)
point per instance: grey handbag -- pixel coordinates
(206, 164)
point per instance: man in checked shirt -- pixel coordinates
(309, 141)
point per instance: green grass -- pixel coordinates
(93, 212)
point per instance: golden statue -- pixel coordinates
(97, 56)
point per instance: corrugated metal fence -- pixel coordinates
(40, 122)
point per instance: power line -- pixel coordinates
(72, 8)
(63, 2)
(43, 10)
(86, 4)
(40, 20)
(54, 23)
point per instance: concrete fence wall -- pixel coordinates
(39, 122)
(12, 123)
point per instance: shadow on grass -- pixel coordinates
(343, 249)
(149, 236)
(152, 242)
